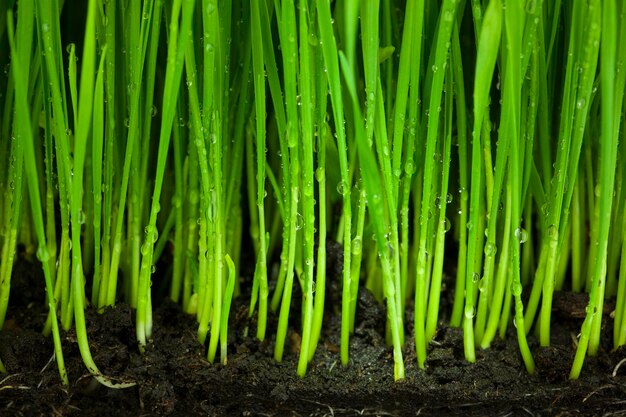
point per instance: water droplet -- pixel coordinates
(482, 285)
(447, 225)
(521, 235)
(516, 289)
(299, 221)
(356, 246)
(153, 111)
(580, 103)
(434, 68)
(490, 249)
(470, 312)
(342, 187)
(553, 231)
(464, 193)
(81, 217)
(42, 254)
(475, 277)
(409, 168)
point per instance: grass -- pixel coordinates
(417, 135)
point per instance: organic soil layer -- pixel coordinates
(174, 378)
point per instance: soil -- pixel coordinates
(174, 378)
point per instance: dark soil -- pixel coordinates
(174, 378)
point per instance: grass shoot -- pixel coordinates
(418, 135)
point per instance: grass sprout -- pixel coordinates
(202, 137)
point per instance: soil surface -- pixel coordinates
(174, 378)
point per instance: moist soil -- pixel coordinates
(174, 378)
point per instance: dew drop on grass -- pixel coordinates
(81, 217)
(153, 269)
(580, 104)
(299, 221)
(521, 235)
(490, 249)
(552, 231)
(42, 254)
(464, 194)
(482, 285)
(475, 277)
(516, 289)
(357, 247)
(470, 313)
(153, 111)
(435, 68)
(409, 168)
(341, 187)
(308, 189)
(446, 225)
